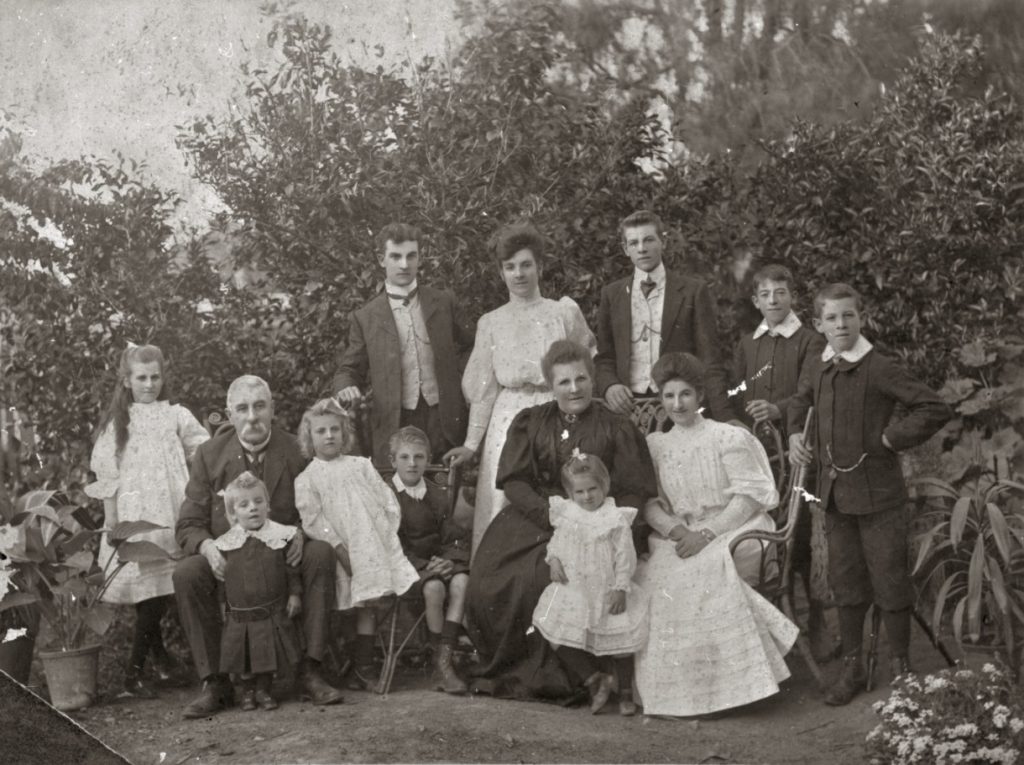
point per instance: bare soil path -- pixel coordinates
(416, 724)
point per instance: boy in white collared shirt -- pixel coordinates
(854, 391)
(436, 547)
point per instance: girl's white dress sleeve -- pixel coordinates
(480, 384)
(559, 542)
(104, 464)
(311, 510)
(576, 325)
(624, 550)
(387, 499)
(191, 432)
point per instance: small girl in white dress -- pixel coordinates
(141, 464)
(344, 501)
(589, 605)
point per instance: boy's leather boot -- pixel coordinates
(852, 680)
(445, 677)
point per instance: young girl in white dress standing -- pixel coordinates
(140, 459)
(589, 605)
(344, 501)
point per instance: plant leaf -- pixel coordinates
(15, 599)
(99, 618)
(934, 487)
(142, 551)
(958, 520)
(1000, 531)
(958, 620)
(926, 545)
(940, 602)
(125, 529)
(80, 561)
(998, 588)
(975, 576)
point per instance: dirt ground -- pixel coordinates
(416, 724)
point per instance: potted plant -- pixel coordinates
(973, 554)
(52, 549)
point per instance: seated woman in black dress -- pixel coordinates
(508, 571)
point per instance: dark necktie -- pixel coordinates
(647, 286)
(254, 462)
(406, 299)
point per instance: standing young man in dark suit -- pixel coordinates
(649, 313)
(273, 456)
(408, 346)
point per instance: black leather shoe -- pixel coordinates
(216, 695)
(852, 680)
(318, 690)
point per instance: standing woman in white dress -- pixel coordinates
(503, 375)
(714, 642)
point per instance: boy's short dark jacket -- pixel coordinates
(778, 385)
(854, 405)
(426, 530)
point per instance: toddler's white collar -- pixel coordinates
(786, 328)
(274, 535)
(419, 491)
(856, 353)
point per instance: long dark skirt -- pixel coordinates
(507, 578)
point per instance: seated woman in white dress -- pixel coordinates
(503, 376)
(714, 642)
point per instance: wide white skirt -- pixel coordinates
(714, 643)
(489, 500)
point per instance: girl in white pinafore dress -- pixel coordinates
(590, 605)
(141, 464)
(503, 375)
(344, 501)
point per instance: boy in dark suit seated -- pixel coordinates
(436, 546)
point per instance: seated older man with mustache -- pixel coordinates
(273, 456)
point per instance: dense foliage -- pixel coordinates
(919, 206)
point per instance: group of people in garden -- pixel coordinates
(599, 562)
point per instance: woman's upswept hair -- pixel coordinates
(323, 407)
(585, 464)
(510, 239)
(565, 352)
(245, 481)
(119, 410)
(679, 366)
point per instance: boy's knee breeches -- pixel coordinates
(868, 558)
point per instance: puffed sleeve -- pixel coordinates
(751, 486)
(191, 433)
(480, 384)
(515, 470)
(576, 328)
(658, 511)
(559, 542)
(310, 505)
(104, 464)
(631, 467)
(625, 551)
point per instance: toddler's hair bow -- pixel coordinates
(577, 454)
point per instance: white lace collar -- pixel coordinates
(273, 535)
(419, 491)
(787, 327)
(856, 353)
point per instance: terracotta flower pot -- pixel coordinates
(71, 676)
